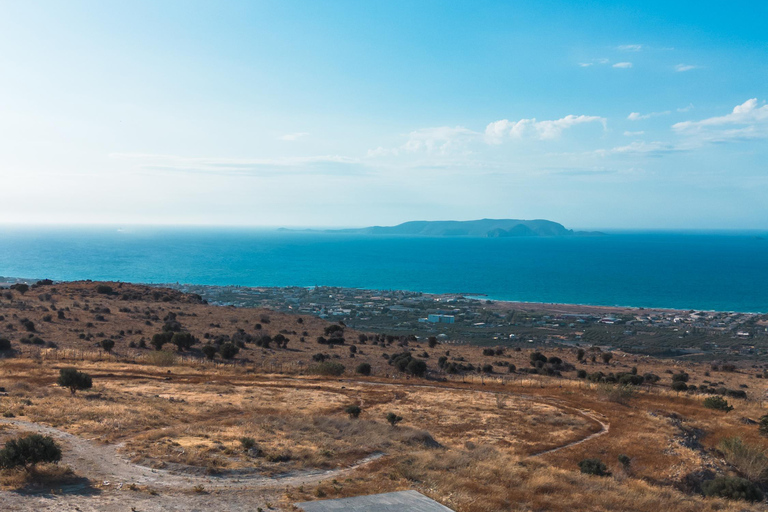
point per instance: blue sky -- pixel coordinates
(596, 115)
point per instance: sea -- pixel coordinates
(722, 271)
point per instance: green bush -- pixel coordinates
(718, 403)
(228, 350)
(29, 450)
(363, 369)
(108, 345)
(103, 288)
(327, 368)
(183, 340)
(5, 344)
(594, 467)
(678, 385)
(74, 380)
(353, 410)
(209, 351)
(393, 419)
(732, 488)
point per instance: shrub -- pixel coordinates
(108, 345)
(74, 380)
(393, 419)
(432, 341)
(718, 403)
(763, 428)
(680, 377)
(209, 351)
(104, 289)
(749, 459)
(581, 374)
(228, 350)
(679, 385)
(29, 450)
(594, 467)
(247, 443)
(580, 354)
(183, 340)
(418, 367)
(363, 369)
(607, 356)
(327, 368)
(160, 339)
(732, 488)
(353, 411)
(5, 344)
(624, 460)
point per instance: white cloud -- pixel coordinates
(637, 116)
(633, 134)
(630, 47)
(685, 67)
(686, 109)
(293, 136)
(752, 119)
(623, 65)
(593, 62)
(496, 131)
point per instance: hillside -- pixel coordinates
(270, 424)
(486, 228)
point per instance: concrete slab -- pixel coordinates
(404, 501)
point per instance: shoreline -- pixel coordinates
(506, 304)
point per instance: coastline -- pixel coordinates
(504, 304)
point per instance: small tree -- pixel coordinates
(353, 411)
(228, 350)
(607, 356)
(432, 341)
(363, 369)
(209, 351)
(108, 345)
(5, 344)
(74, 380)
(183, 340)
(29, 450)
(160, 339)
(580, 354)
(393, 419)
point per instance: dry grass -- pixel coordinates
(194, 413)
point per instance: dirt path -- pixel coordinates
(103, 464)
(111, 474)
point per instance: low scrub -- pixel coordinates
(732, 488)
(749, 459)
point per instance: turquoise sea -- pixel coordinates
(714, 271)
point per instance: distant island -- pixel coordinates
(484, 228)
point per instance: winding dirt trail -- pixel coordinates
(103, 463)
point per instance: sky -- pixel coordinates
(595, 114)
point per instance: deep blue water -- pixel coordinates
(677, 270)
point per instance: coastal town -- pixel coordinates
(460, 318)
